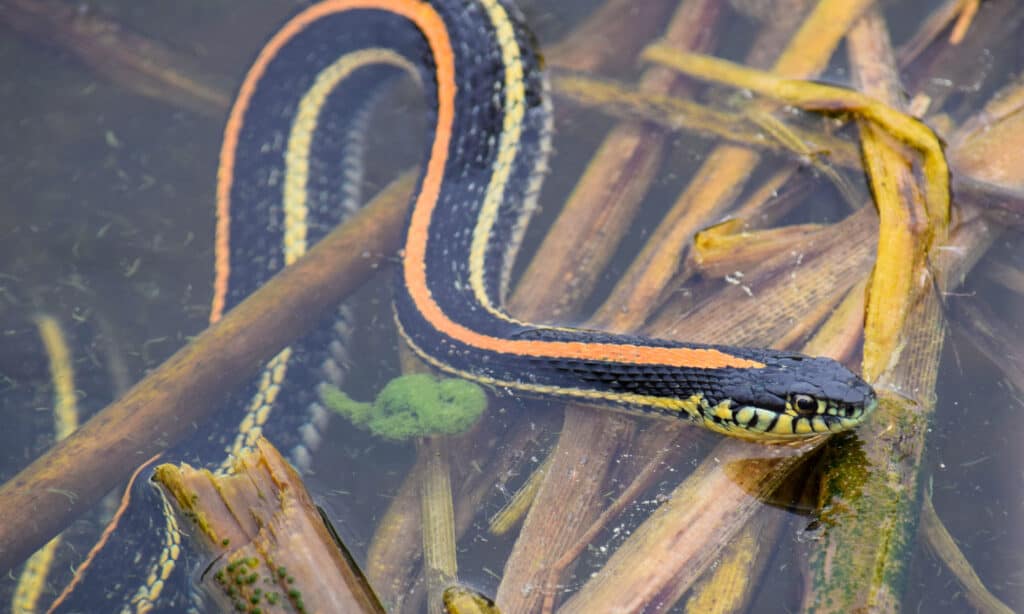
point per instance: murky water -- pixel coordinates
(107, 226)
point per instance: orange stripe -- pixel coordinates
(420, 13)
(104, 537)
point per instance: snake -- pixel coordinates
(291, 158)
(488, 145)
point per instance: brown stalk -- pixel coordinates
(392, 560)
(256, 523)
(680, 114)
(666, 454)
(438, 525)
(729, 587)
(726, 248)
(944, 546)
(937, 69)
(682, 537)
(132, 61)
(994, 337)
(626, 22)
(818, 271)
(721, 177)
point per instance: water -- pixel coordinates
(108, 227)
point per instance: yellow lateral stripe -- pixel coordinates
(296, 208)
(145, 598)
(251, 426)
(300, 139)
(62, 374)
(508, 146)
(32, 579)
(667, 404)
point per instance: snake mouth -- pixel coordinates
(751, 422)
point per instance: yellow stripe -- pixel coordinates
(296, 208)
(258, 410)
(62, 374)
(32, 579)
(508, 144)
(300, 139)
(667, 404)
(145, 598)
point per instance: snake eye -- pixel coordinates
(805, 404)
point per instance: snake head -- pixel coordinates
(793, 396)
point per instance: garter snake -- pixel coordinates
(488, 145)
(288, 163)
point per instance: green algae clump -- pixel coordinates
(417, 405)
